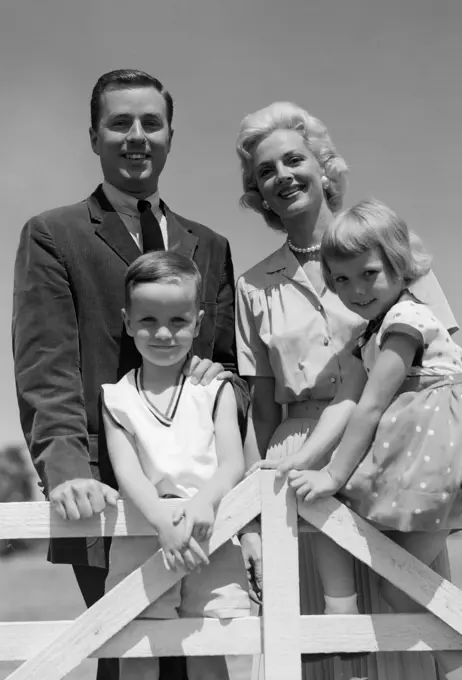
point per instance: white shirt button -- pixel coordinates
(326, 342)
(333, 380)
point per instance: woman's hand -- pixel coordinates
(297, 461)
(263, 465)
(312, 484)
(294, 462)
(251, 552)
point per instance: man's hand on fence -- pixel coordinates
(82, 498)
(251, 551)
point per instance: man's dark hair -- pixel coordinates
(124, 79)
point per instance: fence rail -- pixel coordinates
(51, 649)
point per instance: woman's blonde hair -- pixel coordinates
(372, 225)
(287, 116)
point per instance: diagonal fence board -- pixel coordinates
(385, 557)
(130, 597)
(197, 637)
(393, 632)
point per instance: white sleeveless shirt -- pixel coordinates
(176, 449)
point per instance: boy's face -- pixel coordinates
(163, 320)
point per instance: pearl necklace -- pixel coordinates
(311, 250)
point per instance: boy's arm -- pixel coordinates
(199, 512)
(178, 547)
(131, 479)
(229, 450)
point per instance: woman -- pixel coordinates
(295, 337)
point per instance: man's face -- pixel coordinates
(133, 139)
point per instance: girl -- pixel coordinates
(168, 437)
(397, 417)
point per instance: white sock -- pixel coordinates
(341, 605)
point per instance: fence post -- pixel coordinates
(281, 600)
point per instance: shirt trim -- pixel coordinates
(167, 417)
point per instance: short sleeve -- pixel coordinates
(408, 318)
(113, 404)
(252, 354)
(428, 290)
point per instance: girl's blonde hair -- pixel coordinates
(287, 116)
(372, 225)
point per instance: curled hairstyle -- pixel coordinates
(123, 79)
(162, 266)
(371, 225)
(287, 116)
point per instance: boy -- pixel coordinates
(167, 437)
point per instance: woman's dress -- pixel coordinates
(292, 329)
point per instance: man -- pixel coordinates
(68, 296)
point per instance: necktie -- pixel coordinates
(150, 228)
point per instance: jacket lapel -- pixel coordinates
(180, 239)
(110, 227)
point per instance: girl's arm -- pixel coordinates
(332, 423)
(392, 366)
(263, 418)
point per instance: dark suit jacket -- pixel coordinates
(68, 336)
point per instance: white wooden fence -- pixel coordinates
(51, 649)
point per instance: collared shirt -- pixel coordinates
(290, 327)
(126, 207)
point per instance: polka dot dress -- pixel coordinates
(411, 477)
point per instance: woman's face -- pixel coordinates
(288, 175)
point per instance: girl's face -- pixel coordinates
(288, 175)
(364, 284)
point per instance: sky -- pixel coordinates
(383, 76)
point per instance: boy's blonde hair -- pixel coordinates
(372, 225)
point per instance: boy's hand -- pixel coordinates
(198, 516)
(178, 548)
(173, 541)
(312, 484)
